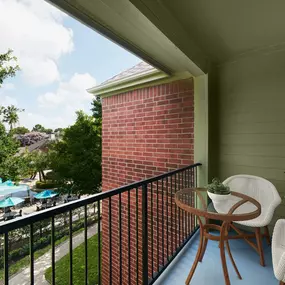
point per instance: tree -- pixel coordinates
(48, 131)
(8, 145)
(42, 129)
(76, 159)
(10, 115)
(59, 133)
(38, 128)
(38, 162)
(14, 168)
(97, 109)
(97, 114)
(11, 166)
(19, 131)
(7, 68)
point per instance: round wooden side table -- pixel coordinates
(238, 207)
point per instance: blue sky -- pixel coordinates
(59, 58)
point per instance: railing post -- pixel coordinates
(6, 260)
(144, 235)
(32, 279)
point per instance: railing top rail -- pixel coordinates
(60, 209)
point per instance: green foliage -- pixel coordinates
(37, 161)
(62, 266)
(19, 131)
(48, 131)
(46, 185)
(8, 145)
(41, 245)
(8, 68)
(10, 115)
(41, 129)
(40, 160)
(51, 176)
(76, 159)
(217, 187)
(11, 166)
(38, 128)
(58, 130)
(97, 109)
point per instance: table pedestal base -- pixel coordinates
(223, 240)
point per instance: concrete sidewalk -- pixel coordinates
(44, 262)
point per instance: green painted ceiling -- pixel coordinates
(224, 29)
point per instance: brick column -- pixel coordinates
(146, 132)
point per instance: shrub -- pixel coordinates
(44, 241)
(51, 175)
(46, 185)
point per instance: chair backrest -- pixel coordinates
(256, 187)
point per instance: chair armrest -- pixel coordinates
(278, 254)
(278, 232)
(271, 209)
(279, 270)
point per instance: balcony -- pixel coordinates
(133, 218)
(210, 270)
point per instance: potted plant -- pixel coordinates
(217, 191)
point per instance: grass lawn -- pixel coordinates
(62, 266)
(24, 262)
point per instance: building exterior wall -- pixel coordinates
(146, 132)
(252, 119)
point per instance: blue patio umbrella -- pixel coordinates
(46, 194)
(8, 183)
(10, 202)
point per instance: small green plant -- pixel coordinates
(217, 187)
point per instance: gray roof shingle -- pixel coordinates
(140, 68)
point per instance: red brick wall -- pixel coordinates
(146, 132)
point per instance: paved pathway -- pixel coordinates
(44, 262)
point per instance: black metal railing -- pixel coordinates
(139, 231)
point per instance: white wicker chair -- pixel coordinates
(266, 194)
(278, 251)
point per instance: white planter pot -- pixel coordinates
(218, 198)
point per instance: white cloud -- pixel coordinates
(57, 109)
(34, 30)
(49, 99)
(31, 119)
(8, 100)
(8, 86)
(71, 94)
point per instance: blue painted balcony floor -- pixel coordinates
(210, 272)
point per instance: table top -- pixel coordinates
(237, 207)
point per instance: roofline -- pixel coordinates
(125, 81)
(137, 82)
